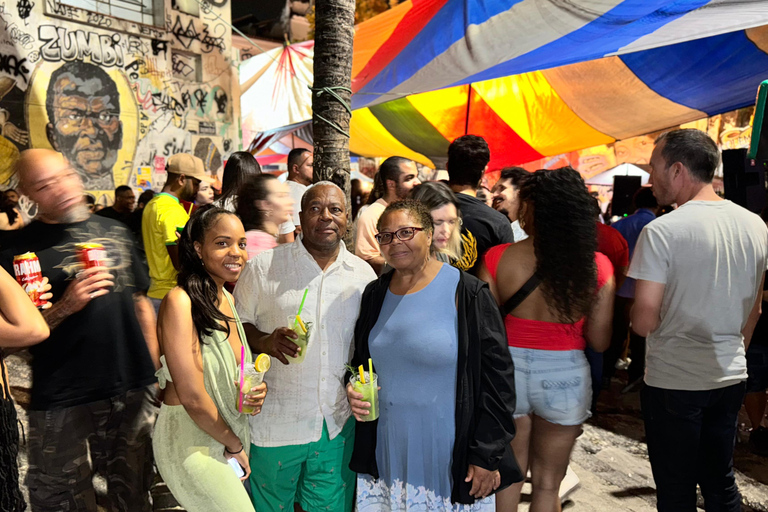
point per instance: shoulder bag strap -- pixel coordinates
(521, 294)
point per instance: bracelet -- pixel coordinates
(234, 453)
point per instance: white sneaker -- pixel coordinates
(569, 484)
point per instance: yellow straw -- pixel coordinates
(370, 377)
(362, 374)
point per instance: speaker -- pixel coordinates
(624, 188)
(744, 180)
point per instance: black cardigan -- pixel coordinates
(485, 388)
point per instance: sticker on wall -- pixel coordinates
(144, 177)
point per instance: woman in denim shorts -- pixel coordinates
(556, 294)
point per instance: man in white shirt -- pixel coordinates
(300, 168)
(302, 440)
(699, 272)
(396, 178)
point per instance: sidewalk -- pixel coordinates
(610, 457)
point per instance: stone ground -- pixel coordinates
(610, 457)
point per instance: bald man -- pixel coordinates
(305, 429)
(93, 384)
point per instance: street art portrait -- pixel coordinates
(89, 115)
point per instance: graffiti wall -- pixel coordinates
(117, 96)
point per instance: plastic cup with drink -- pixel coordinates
(249, 376)
(302, 329)
(367, 383)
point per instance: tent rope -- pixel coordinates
(332, 91)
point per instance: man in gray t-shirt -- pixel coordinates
(699, 273)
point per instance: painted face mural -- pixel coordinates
(84, 121)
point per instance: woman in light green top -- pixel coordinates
(199, 428)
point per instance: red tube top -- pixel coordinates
(538, 334)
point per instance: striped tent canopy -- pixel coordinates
(542, 77)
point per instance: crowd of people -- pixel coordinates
(485, 333)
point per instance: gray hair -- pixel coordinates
(692, 148)
(324, 183)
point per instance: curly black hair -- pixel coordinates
(564, 240)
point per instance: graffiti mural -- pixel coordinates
(116, 98)
(82, 105)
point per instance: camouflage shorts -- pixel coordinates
(111, 437)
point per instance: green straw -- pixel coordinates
(301, 306)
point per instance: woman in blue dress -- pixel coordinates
(447, 381)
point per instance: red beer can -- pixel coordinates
(92, 255)
(29, 275)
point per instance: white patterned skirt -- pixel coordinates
(376, 496)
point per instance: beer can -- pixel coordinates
(92, 255)
(29, 275)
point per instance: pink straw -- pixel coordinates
(242, 378)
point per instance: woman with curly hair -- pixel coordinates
(441, 440)
(556, 295)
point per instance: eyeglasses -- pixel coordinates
(402, 234)
(76, 116)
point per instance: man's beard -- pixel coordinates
(77, 213)
(188, 196)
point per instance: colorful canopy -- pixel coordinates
(420, 46)
(538, 78)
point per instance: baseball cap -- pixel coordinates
(188, 165)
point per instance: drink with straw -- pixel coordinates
(302, 329)
(249, 377)
(367, 383)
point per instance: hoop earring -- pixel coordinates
(522, 223)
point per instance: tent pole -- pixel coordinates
(466, 120)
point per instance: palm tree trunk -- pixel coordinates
(334, 33)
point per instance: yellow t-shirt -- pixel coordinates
(162, 215)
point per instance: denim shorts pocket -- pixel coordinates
(563, 396)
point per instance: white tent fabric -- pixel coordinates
(606, 178)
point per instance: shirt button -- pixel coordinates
(323, 353)
(323, 379)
